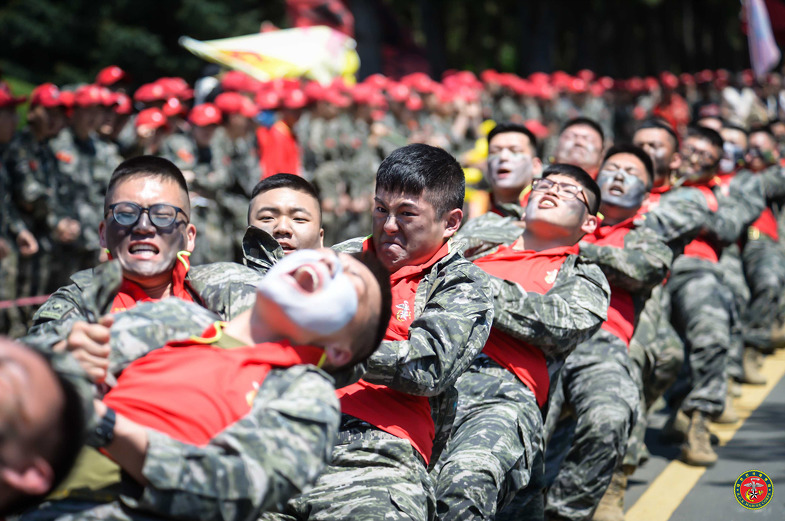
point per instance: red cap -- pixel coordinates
(586, 75)
(539, 78)
(205, 114)
(377, 81)
(635, 84)
(596, 89)
(150, 92)
(651, 83)
(175, 87)
(67, 98)
(576, 85)
(398, 92)
(362, 93)
(536, 128)
(489, 76)
(122, 103)
(295, 99)
(686, 78)
(174, 107)
(235, 103)
(315, 90)
(337, 98)
(151, 117)
(704, 76)
(669, 80)
(88, 95)
(420, 82)
(108, 76)
(236, 81)
(268, 100)
(606, 82)
(7, 99)
(414, 103)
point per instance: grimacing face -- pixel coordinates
(580, 145)
(550, 212)
(658, 143)
(406, 229)
(623, 182)
(510, 161)
(292, 218)
(147, 253)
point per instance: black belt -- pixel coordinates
(353, 429)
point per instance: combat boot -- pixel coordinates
(697, 449)
(611, 506)
(675, 429)
(751, 364)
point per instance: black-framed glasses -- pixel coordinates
(160, 214)
(566, 190)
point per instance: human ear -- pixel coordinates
(102, 234)
(190, 237)
(675, 161)
(453, 222)
(589, 224)
(35, 479)
(338, 355)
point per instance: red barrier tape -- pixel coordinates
(22, 302)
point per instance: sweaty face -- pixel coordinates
(147, 253)
(659, 145)
(290, 216)
(580, 145)
(552, 212)
(510, 161)
(700, 159)
(406, 229)
(319, 297)
(623, 181)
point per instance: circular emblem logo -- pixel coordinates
(753, 489)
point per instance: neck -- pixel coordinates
(662, 179)
(614, 214)
(156, 288)
(541, 241)
(502, 196)
(249, 329)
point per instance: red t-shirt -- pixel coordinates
(192, 390)
(621, 311)
(536, 272)
(700, 247)
(403, 415)
(130, 293)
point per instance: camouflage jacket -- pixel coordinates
(224, 288)
(260, 250)
(10, 221)
(556, 321)
(490, 230)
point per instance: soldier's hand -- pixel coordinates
(5, 249)
(27, 243)
(89, 344)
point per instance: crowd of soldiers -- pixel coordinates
(628, 253)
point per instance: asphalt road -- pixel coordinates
(667, 490)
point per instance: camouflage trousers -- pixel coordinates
(764, 270)
(11, 321)
(733, 278)
(372, 476)
(78, 510)
(657, 355)
(703, 313)
(496, 447)
(590, 417)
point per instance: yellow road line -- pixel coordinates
(669, 489)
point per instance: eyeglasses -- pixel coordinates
(566, 190)
(128, 214)
(705, 157)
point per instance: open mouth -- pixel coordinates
(143, 249)
(310, 278)
(616, 190)
(547, 202)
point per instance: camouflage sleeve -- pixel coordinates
(27, 190)
(739, 207)
(488, 231)
(260, 250)
(55, 318)
(256, 464)
(773, 179)
(569, 313)
(449, 330)
(225, 288)
(350, 246)
(640, 265)
(679, 217)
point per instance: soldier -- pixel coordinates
(581, 143)
(512, 165)
(546, 300)
(85, 164)
(146, 227)
(597, 397)
(281, 429)
(198, 156)
(442, 313)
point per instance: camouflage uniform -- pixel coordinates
(703, 307)
(255, 464)
(492, 229)
(11, 321)
(496, 447)
(763, 261)
(376, 475)
(85, 168)
(224, 288)
(597, 400)
(211, 178)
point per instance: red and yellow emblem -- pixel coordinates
(753, 489)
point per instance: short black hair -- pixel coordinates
(503, 128)
(63, 448)
(290, 181)
(763, 129)
(582, 120)
(414, 168)
(626, 148)
(660, 124)
(733, 126)
(706, 133)
(148, 166)
(363, 348)
(583, 178)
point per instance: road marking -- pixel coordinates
(669, 489)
